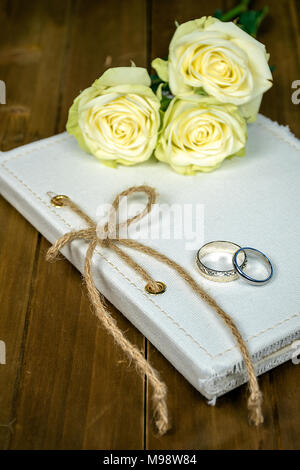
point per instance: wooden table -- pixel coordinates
(65, 384)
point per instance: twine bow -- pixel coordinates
(91, 234)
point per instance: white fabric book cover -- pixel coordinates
(253, 201)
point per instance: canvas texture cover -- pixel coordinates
(252, 201)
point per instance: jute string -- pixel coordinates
(110, 238)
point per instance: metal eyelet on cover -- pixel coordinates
(162, 288)
(58, 200)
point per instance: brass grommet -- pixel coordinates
(58, 201)
(161, 285)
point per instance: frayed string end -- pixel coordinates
(255, 408)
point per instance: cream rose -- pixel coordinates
(117, 118)
(220, 59)
(198, 133)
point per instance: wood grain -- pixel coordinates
(66, 385)
(18, 242)
(76, 390)
(23, 35)
(70, 387)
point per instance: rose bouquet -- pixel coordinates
(194, 113)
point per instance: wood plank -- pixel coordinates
(76, 389)
(18, 245)
(31, 67)
(196, 425)
(25, 58)
(285, 388)
(285, 55)
(284, 21)
(280, 33)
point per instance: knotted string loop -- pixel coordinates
(91, 234)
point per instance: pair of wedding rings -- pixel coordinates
(239, 256)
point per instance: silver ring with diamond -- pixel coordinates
(221, 247)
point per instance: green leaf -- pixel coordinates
(155, 82)
(250, 20)
(218, 14)
(165, 103)
(166, 95)
(234, 12)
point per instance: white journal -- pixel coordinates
(252, 201)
